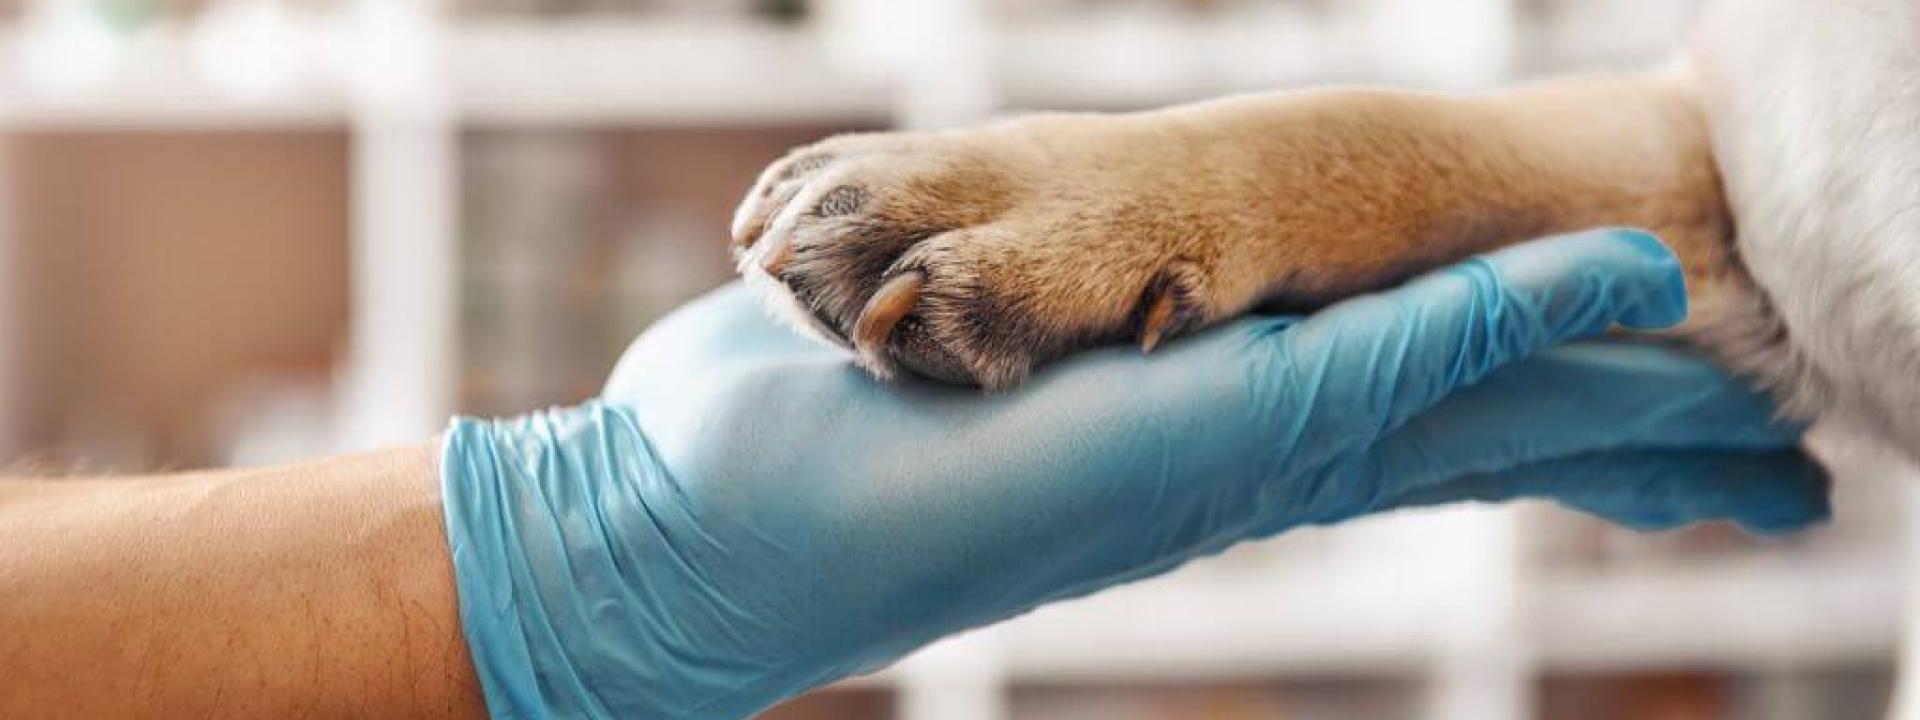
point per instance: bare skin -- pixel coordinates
(320, 590)
(977, 255)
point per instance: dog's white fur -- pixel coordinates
(1815, 114)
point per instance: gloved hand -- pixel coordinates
(745, 515)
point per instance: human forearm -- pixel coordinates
(320, 589)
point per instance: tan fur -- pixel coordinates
(1051, 233)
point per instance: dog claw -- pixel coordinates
(1167, 305)
(1159, 317)
(889, 305)
(746, 232)
(775, 256)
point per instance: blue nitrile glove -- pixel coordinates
(745, 515)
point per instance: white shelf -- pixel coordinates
(1751, 614)
(1754, 615)
(185, 110)
(642, 70)
(499, 72)
(157, 87)
(1189, 629)
(1138, 57)
(648, 72)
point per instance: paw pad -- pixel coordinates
(841, 201)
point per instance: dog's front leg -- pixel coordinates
(976, 255)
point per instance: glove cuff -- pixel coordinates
(484, 477)
(543, 600)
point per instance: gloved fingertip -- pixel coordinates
(1666, 306)
(1645, 242)
(1773, 530)
(1768, 493)
(1807, 503)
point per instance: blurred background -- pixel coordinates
(244, 231)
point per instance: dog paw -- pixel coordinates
(975, 256)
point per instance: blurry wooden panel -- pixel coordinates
(1677, 695)
(836, 704)
(676, 189)
(157, 269)
(576, 239)
(1378, 698)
